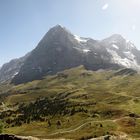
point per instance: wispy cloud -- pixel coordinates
(105, 6)
(133, 27)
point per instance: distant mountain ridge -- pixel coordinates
(10, 69)
(60, 49)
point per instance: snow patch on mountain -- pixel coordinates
(80, 39)
(130, 45)
(128, 62)
(127, 41)
(115, 46)
(86, 50)
(15, 74)
(129, 55)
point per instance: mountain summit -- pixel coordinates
(59, 49)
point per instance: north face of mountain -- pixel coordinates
(55, 52)
(59, 49)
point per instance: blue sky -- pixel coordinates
(24, 22)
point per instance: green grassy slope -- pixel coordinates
(76, 104)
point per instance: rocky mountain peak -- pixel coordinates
(116, 36)
(59, 50)
(117, 41)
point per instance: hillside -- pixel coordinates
(74, 104)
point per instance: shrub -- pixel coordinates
(1, 127)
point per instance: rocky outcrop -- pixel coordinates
(14, 137)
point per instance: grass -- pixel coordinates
(111, 96)
(41, 129)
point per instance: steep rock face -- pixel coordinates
(10, 69)
(60, 50)
(54, 53)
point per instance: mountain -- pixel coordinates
(60, 49)
(123, 51)
(9, 70)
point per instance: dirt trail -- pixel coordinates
(84, 124)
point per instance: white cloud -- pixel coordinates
(105, 6)
(133, 27)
